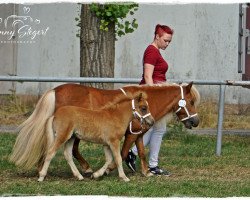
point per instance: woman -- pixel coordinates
(154, 71)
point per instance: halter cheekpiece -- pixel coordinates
(182, 104)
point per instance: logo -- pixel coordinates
(21, 28)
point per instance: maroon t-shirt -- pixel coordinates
(153, 56)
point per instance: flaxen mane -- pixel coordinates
(121, 98)
(194, 92)
(196, 95)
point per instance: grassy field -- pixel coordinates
(197, 172)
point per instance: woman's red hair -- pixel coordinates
(160, 29)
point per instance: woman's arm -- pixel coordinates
(148, 73)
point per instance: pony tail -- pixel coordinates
(31, 143)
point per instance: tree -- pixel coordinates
(100, 26)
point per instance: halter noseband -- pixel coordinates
(182, 104)
(136, 114)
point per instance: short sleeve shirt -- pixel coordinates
(153, 56)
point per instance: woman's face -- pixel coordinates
(163, 41)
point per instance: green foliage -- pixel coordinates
(116, 13)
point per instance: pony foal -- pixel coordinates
(106, 126)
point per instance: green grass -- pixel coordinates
(197, 172)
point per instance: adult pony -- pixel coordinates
(163, 100)
(106, 126)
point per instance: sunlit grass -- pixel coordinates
(197, 172)
(235, 116)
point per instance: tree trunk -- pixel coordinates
(97, 48)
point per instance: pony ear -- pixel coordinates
(140, 96)
(189, 86)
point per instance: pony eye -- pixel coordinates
(144, 108)
(192, 103)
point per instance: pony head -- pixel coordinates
(186, 109)
(142, 112)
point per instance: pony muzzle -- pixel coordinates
(191, 120)
(145, 119)
(148, 120)
(194, 121)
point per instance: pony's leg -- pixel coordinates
(40, 164)
(111, 167)
(52, 147)
(138, 139)
(109, 158)
(129, 140)
(115, 148)
(141, 153)
(50, 140)
(68, 156)
(84, 164)
(50, 155)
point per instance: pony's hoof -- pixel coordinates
(80, 178)
(95, 175)
(88, 174)
(107, 172)
(126, 179)
(88, 171)
(149, 174)
(40, 179)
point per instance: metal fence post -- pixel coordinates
(220, 119)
